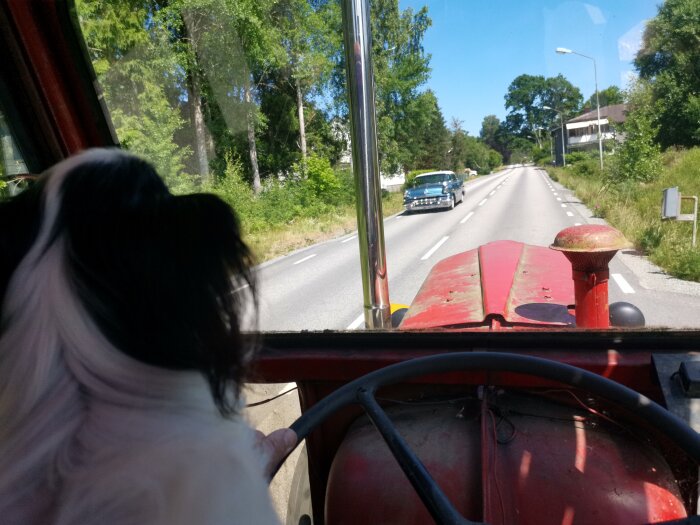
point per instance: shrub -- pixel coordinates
(319, 176)
(639, 157)
(577, 156)
(411, 176)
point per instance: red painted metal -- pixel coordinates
(498, 262)
(546, 463)
(508, 459)
(500, 284)
(366, 485)
(590, 248)
(65, 95)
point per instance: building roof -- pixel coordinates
(615, 113)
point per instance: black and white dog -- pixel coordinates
(121, 356)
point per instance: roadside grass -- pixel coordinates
(281, 239)
(635, 208)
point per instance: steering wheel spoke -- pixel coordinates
(439, 506)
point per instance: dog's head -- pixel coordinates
(166, 279)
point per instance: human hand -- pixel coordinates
(275, 446)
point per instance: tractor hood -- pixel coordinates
(500, 284)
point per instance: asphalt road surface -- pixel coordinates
(320, 287)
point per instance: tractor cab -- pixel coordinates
(508, 389)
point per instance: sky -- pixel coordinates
(479, 47)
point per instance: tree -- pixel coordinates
(638, 157)
(526, 97)
(670, 59)
(429, 143)
(141, 79)
(608, 96)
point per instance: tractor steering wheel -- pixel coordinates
(362, 391)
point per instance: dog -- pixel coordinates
(121, 354)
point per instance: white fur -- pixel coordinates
(88, 435)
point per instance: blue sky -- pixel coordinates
(479, 46)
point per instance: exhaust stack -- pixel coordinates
(589, 249)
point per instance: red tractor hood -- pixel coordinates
(500, 284)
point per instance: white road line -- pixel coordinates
(306, 258)
(569, 214)
(622, 283)
(563, 205)
(467, 217)
(558, 198)
(555, 193)
(349, 239)
(286, 389)
(577, 224)
(357, 322)
(434, 248)
(482, 202)
(492, 193)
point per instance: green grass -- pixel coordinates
(303, 231)
(635, 209)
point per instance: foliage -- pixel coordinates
(633, 207)
(526, 97)
(670, 59)
(638, 157)
(319, 176)
(609, 96)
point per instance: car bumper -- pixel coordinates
(428, 203)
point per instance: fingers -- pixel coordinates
(276, 446)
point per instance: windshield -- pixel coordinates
(431, 179)
(554, 113)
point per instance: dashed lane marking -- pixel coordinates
(349, 239)
(622, 283)
(357, 322)
(492, 193)
(482, 202)
(434, 248)
(563, 205)
(467, 217)
(569, 214)
(306, 258)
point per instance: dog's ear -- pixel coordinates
(201, 286)
(20, 219)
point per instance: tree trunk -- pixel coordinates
(302, 125)
(251, 140)
(200, 132)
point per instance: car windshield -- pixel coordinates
(431, 179)
(554, 113)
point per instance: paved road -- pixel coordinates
(320, 287)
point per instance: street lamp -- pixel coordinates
(561, 120)
(565, 51)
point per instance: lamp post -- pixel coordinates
(561, 120)
(565, 51)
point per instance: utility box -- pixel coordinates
(671, 205)
(671, 209)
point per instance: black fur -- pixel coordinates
(158, 273)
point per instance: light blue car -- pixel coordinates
(437, 189)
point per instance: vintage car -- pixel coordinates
(434, 190)
(513, 399)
